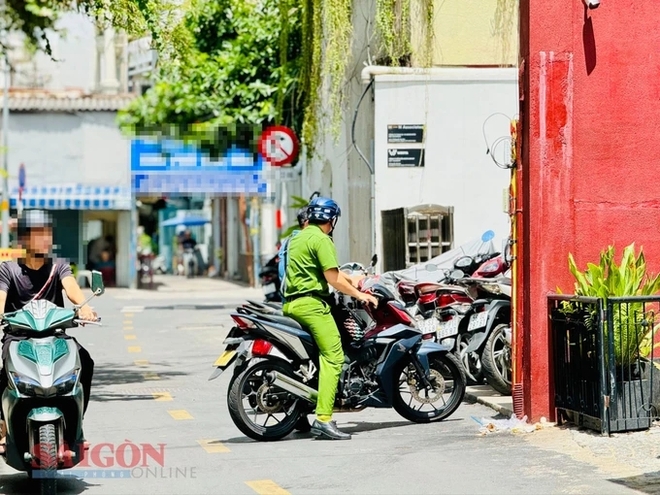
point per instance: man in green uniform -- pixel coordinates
(311, 266)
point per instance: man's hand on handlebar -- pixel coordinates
(368, 299)
(86, 313)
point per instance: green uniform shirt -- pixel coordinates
(311, 253)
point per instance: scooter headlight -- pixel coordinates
(67, 383)
(24, 385)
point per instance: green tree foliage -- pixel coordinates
(234, 72)
(37, 19)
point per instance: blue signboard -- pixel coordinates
(171, 167)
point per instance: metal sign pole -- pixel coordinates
(5, 168)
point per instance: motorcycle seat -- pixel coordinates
(274, 317)
(285, 320)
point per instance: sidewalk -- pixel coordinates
(174, 287)
(484, 394)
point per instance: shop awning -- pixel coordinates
(74, 197)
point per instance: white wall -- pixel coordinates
(74, 58)
(453, 104)
(60, 148)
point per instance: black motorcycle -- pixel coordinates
(388, 365)
(269, 276)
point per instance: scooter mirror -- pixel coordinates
(488, 236)
(431, 268)
(97, 283)
(374, 260)
(457, 274)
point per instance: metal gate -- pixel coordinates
(415, 235)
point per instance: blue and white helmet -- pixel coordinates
(322, 210)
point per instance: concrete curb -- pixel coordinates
(504, 411)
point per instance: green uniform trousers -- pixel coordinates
(315, 315)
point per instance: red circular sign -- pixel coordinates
(278, 145)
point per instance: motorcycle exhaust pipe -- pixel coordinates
(293, 386)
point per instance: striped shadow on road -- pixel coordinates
(267, 487)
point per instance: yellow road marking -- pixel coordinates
(128, 329)
(267, 487)
(162, 396)
(135, 348)
(128, 322)
(128, 315)
(141, 362)
(180, 414)
(151, 376)
(130, 337)
(213, 446)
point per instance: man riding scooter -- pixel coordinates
(38, 276)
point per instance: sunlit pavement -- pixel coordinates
(151, 395)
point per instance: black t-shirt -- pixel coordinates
(189, 243)
(22, 283)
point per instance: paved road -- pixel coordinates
(153, 358)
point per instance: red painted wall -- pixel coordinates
(590, 176)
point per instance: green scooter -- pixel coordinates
(43, 402)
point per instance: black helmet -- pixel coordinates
(302, 216)
(31, 219)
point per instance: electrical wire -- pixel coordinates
(491, 148)
(357, 108)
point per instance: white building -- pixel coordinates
(62, 129)
(454, 102)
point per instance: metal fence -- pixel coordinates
(603, 361)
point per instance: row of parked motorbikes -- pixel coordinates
(415, 352)
(468, 308)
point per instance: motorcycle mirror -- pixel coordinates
(457, 274)
(374, 260)
(488, 236)
(431, 268)
(97, 283)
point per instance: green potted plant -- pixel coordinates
(629, 278)
(633, 329)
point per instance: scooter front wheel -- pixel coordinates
(48, 459)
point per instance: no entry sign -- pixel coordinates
(278, 145)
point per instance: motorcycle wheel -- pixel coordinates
(250, 388)
(48, 459)
(448, 373)
(471, 362)
(496, 360)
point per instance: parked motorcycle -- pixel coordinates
(270, 281)
(491, 334)
(43, 402)
(387, 365)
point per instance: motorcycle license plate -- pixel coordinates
(448, 328)
(428, 326)
(269, 288)
(224, 358)
(478, 320)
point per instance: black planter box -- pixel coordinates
(632, 408)
(591, 389)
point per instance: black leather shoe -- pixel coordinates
(303, 424)
(328, 431)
